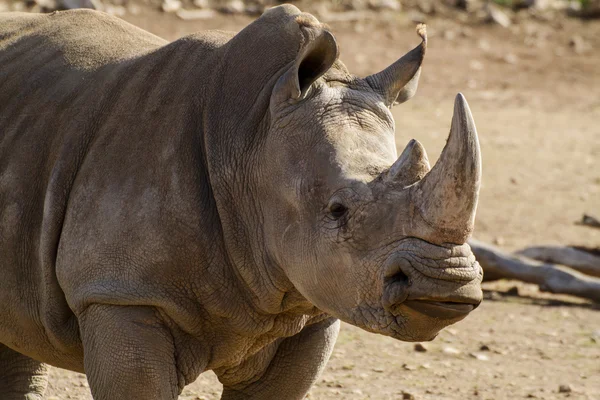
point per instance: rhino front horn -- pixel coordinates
(447, 196)
(398, 82)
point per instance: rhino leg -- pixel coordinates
(297, 364)
(128, 354)
(21, 377)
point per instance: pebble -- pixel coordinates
(565, 389)
(407, 396)
(450, 350)
(579, 45)
(480, 357)
(233, 7)
(169, 6)
(190, 15)
(420, 347)
(409, 367)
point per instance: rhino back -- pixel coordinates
(100, 159)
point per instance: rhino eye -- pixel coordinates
(337, 210)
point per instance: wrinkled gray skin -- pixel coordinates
(215, 203)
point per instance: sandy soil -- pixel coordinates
(536, 102)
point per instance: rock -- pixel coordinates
(190, 15)
(498, 16)
(480, 357)
(118, 11)
(409, 367)
(378, 369)
(579, 45)
(565, 389)
(201, 3)
(170, 6)
(393, 5)
(484, 347)
(420, 347)
(407, 396)
(74, 4)
(498, 240)
(233, 7)
(450, 350)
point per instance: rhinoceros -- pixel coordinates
(215, 203)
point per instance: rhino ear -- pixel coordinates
(398, 82)
(313, 60)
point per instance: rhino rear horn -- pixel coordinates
(313, 60)
(411, 166)
(398, 82)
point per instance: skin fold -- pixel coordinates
(215, 203)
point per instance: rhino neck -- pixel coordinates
(236, 119)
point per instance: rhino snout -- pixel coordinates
(440, 287)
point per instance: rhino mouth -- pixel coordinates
(443, 283)
(441, 309)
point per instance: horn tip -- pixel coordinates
(422, 31)
(460, 103)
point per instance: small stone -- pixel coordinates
(233, 7)
(450, 350)
(74, 4)
(407, 396)
(565, 389)
(358, 392)
(426, 366)
(409, 367)
(190, 15)
(579, 45)
(201, 3)
(484, 347)
(393, 5)
(480, 357)
(420, 347)
(378, 369)
(498, 16)
(170, 6)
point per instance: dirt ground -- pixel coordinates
(536, 102)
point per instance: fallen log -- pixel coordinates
(580, 260)
(551, 278)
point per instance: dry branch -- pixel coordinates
(580, 260)
(552, 278)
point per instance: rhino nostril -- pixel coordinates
(399, 277)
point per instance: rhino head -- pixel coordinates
(374, 239)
